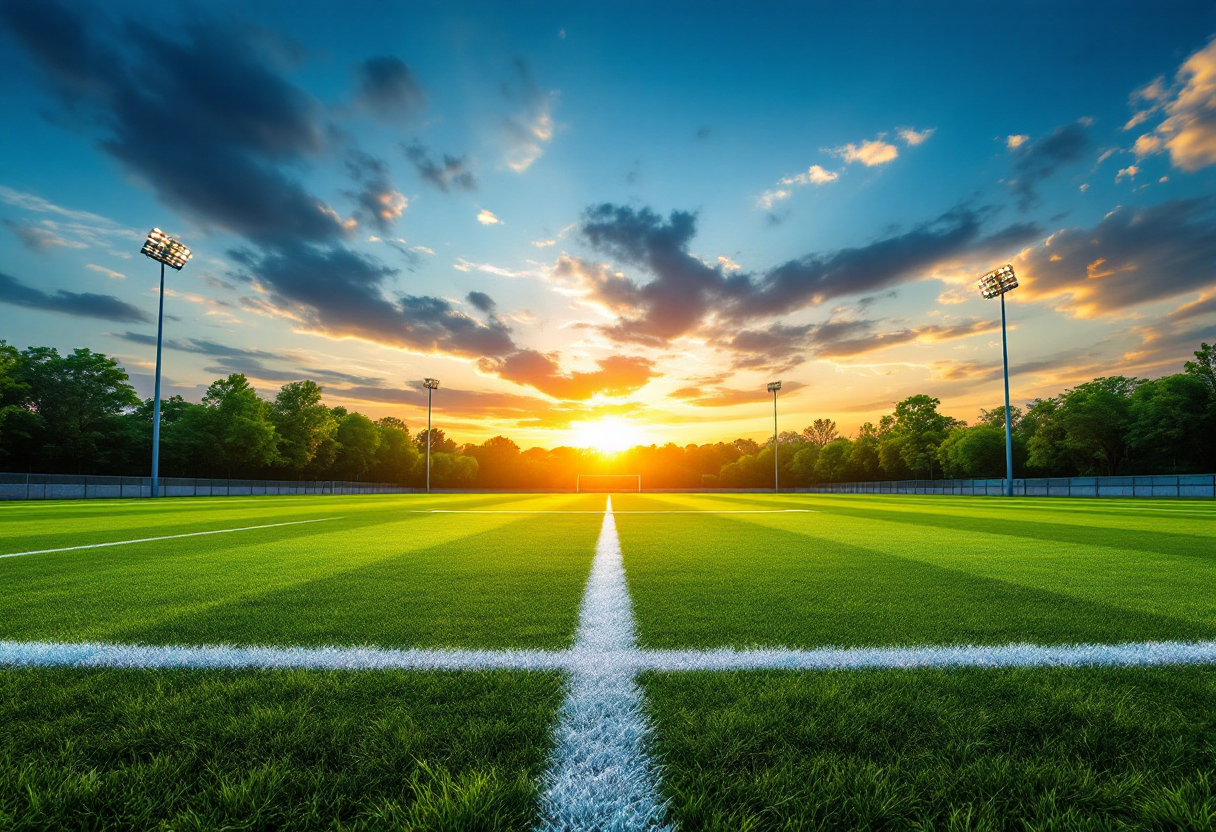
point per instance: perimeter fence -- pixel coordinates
(1180, 485)
(87, 487)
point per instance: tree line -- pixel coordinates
(79, 414)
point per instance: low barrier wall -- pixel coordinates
(83, 487)
(1180, 485)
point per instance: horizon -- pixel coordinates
(581, 224)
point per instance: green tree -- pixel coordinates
(864, 457)
(1095, 418)
(397, 456)
(359, 439)
(976, 452)
(239, 420)
(820, 432)
(1171, 427)
(834, 460)
(17, 422)
(916, 431)
(803, 467)
(79, 400)
(1204, 367)
(305, 427)
(440, 444)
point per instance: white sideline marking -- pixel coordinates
(163, 537)
(220, 656)
(627, 511)
(600, 776)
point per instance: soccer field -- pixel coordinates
(530, 661)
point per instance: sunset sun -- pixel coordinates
(608, 435)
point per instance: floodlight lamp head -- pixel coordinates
(774, 386)
(430, 383)
(997, 282)
(160, 246)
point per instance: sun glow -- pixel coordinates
(607, 436)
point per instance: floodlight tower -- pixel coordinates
(997, 283)
(431, 385)
(168, 252)
(773, 387)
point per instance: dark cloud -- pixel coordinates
(1204, 306)
(1132, 256)
(449, 401)
(387, 89)
(80, 304)
(378, 203)
(780, 346)
(196, 111)
(339, 292)
(685, 292)
(200, 346)
(452, 173)
(481, 301)
(618, 375)
(1035, 161)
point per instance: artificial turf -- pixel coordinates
(385, 573)
(1029, 749)
(190, 749)
(871, 571)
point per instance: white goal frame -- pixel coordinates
(578, 482)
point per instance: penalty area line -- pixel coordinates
(164, 537)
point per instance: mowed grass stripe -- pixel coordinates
(1092, 748)
(819, 580)
(110, 521)
(424, 580)
(131, 749)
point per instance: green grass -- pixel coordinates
(866, 570)
(976, 749)
(91, 749)
(383, 574)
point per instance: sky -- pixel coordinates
(607, 224)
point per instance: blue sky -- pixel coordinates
(614, 218)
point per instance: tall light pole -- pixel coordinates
(997, 283)
(773, 387)
(431, 384)
(168, 252)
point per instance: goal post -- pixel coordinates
(601, 483)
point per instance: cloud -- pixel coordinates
(780, 345)
(686, 295)
(729, 396)
(378, 203)
(80, 304)
(1129, 172)
(387, 90)
(869, 153)
(814, 175)
(530, 129)
(1132, 256)
(195, 111)
(544, 243)
(78, 229)
(452, 173)
(912, 138)
(1035, 161)
(1206, 305)
(1188, 132)
(40, 239)
(1014, 142)
(481, 302)
(110, 273)
(486, 217)
(340, 293)
(618, 375)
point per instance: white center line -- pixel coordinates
(163, 537)
(601, 776)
